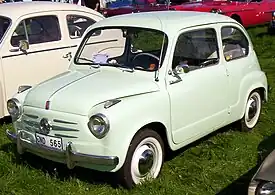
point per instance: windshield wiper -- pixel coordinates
(94, 65)
(117, 65)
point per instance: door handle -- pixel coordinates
(68, 55)
(14, 50)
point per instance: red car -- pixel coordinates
(136, 6)
(246, 12)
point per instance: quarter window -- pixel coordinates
(77, 25)
(196, 49)
(235, 43)
(36, 30)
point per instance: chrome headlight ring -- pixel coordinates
(267, 188)
(14, 108)
(99, 125)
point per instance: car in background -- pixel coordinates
(172, 86)
(246, 12)
(134, 6)
(37, 41)
(263, 181)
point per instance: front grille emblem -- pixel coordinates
(45, 126)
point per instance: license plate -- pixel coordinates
(49, 141)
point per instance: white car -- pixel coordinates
(138, 84)
(37, 40)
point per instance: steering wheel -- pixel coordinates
(144, 54)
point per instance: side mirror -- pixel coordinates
(24, 45)
(182, 69)
(175, 74)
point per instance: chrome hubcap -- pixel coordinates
(253, 108)
(146, 162)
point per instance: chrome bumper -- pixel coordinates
(252, 187)
(69, 156)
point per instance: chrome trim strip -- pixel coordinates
(67, 136)
(58, 128)
(34, 124)
(69, 156)
(31, 116)
(31, 123)
(65, 122)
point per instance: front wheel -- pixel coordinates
(252, 111)
(144, 159)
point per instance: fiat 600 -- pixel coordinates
(146, 82)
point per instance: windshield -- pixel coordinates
(131, 48)
(4, 25)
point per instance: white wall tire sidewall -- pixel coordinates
(251, 124)
(158, 159)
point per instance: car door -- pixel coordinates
(236, 52)
(42, 60)
(198, 99)
(75, 24)
(262, 9)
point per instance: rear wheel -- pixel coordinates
(252, 111)
(144, 159)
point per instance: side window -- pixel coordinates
(36, 30)
(235, 43)
(77, 25)
(196, 49)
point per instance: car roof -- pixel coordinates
(18, 9)
(166, 21)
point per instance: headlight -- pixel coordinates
(14, 108)
(266, 189)
(99, 125)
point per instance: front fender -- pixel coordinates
(129, 116)
(266, 171)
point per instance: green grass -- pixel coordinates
(221, 163)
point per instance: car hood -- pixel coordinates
(78, 91)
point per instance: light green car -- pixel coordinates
(138, 85)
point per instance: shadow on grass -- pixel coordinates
(240, 185)
(59, 170)
(172, 154)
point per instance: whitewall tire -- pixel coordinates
(252, 111)
(144, 159)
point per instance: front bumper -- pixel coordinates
(67, 156)
(252, 187)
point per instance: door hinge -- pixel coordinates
(227, 72)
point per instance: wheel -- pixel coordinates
(270, 30)
(144, 159)
(252, 111)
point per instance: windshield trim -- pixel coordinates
(87, 36)
(7, 30)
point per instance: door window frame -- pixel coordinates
(26, 32)
(194, 29)
(245, 36)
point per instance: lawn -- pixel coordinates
(222, 163)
